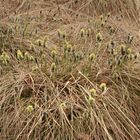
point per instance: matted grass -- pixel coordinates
(69, 70)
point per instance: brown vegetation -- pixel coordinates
(70, 70)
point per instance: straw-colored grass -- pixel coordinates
(69, 70)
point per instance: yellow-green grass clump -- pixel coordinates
(5, 58)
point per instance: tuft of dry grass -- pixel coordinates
(69, 70)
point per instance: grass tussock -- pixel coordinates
(69, 70)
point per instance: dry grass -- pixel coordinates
(69, 70)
